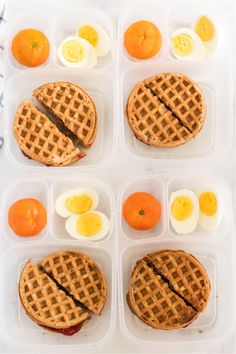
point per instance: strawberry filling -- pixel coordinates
(66, 331)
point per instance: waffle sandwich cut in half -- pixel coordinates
(166, 110)
(40, 139)
(63, 303)
(168, 289)
(56, 136)
(73, 106)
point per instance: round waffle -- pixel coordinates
(168, 289)
(166, 110)
(80, 276)
(73, 106)
(45, 303)
(41, 140)
(62, 290)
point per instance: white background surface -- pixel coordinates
(115, 177)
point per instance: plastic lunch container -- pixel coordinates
(109, 84)
(58, 26)
(18, 326)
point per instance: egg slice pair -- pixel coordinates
(194, 43)
(84, 222)
(91, 41)
(188, 209)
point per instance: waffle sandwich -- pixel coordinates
(168, 289)
(51, 302)
(67, 267)
(40, 140)
(166, 110)
(73, 106)
(54, 138)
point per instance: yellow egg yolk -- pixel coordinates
(208, 203)
(73, 51)
(182, 44)
(89, 224)
(78, 204)
(89, 33)
(182, 208)
(205, 29)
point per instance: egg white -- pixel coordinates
(187, 226)
(90, 57)
(71, 228)
(60, 204)
(104, 43)
(209, 222)
(198, 52)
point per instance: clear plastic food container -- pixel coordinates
(208, 247)
(116, 154)
(18, 327)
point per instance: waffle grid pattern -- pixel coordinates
(40, 139)
(182, 96)
(45, 303)
(166, 110)
(80, 276)
(186, 274)
(170, 292)
(152, 122)
(153, 301)
(73, 106)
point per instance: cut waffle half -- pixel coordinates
(152, 301)
(166, 110)
(44, 303)
(80, 276)
(185, 273)
(165, 295)
(41, 140)
(73, 106)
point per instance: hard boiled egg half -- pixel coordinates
(76, 202)
(184, 211)
(96, 36)
(205, 29)
(92, 225)
(77, 52)
(185, 44)
(209, 213)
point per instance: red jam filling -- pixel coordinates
(66, 331)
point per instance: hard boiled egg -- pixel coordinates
(92, 225)
(76, 201)
(77, 52)
(209, 214)
(185, 44)
(205, 29)
(184, 211)
(96, 36)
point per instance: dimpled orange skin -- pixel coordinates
(30, 47)
(141, 211)
(27, 217)
(142, 40)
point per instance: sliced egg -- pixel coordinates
(76, 201)
(184, 211)
(96, 36)
(185, 44)
(77, 52)
(205, 29)
(209, 214)
(92, 225)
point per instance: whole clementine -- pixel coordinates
(30, 47)
(27, 217)
(142, 40)
(142, 211)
